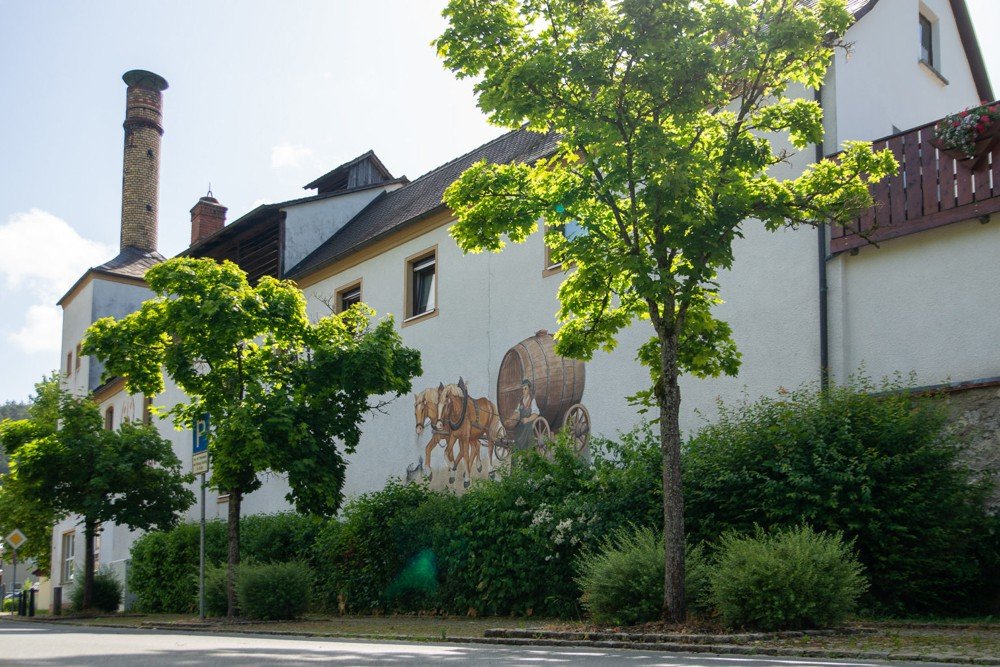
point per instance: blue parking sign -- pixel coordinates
(201, 434)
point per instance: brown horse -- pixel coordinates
(425, 408)
(471, 419)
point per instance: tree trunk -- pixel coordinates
(233, 526)
(668, 397)
(89, 528)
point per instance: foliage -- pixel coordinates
(669, 117)
(873, 462)
(791, 579)
(107, 593)
(164, 564)
(622, 581)
(17, 508)
(13, 410)
(359, 558)
(216, 600)
(276, 591)
(163, 572)
(130, 477)
(284, 395)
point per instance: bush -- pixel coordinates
(107, 594)
(216, 601)
(790, 579)
(274, 591)
(875, 463)
(622, 582)
(164, 567)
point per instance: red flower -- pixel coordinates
(955, 124)
(980, 127)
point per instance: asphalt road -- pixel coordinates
(38, 644)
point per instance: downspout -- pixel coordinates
(824, 324)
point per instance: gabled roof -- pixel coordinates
(394, 210)
(131, 264)
(332, 178)
(970, 43)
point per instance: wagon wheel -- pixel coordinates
(542, 433)
(501, 444)
(576, 424)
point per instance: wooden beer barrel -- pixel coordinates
(557, 381)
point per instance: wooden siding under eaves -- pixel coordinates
(930, 190)
(257, 250)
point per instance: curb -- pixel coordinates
(539, 638)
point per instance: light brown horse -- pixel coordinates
(471, 419)
(425, 408)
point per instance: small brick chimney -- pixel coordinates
(141, 169)
(207, 217)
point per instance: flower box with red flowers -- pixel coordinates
(969, 135)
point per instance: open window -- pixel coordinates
(421, 284)
(928, 54)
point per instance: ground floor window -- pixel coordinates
(68, 556)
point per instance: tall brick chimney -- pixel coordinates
(141, 171)
(207, 217)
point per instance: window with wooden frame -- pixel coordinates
(109, 418)
(79, 353)
(348, 295)
(69, 363)
(570, 230)
(147, 413)
(421, 284)
(68, 556)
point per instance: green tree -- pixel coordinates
(130, 476)
(670, 115)
(17, 509)
(281, 391)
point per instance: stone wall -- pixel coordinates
(975, 414)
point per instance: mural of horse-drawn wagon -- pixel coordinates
(539, 393)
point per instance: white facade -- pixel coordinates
(927, 303)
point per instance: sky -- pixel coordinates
(264, 97)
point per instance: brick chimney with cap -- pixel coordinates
(207, 217)
(141, 171)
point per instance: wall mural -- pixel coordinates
(538, 394)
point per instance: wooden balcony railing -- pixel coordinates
(929, 190)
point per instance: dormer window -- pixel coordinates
(927, 54)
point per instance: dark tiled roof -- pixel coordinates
(857, 7)
(393, 210)
(130, 263)
(370, 155)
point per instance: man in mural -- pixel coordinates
(525, 414)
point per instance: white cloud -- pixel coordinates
(288, 155)
(42, 330)
(42, 253)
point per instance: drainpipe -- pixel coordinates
(824, 324)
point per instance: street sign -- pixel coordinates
(199, 463)
(16, 539)
(201, 434)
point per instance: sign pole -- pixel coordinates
(199, 466)
(201, 555)
(13, 587)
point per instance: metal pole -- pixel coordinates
(201, 555)
(13, 587)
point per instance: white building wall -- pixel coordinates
(309, 224)
(76, 314)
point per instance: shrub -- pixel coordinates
(790, 579)
(273, 591)
(622, 582)
(216, 601)
(875, 463)
(107, 593)
(164, 567)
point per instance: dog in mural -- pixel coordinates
(471, 420)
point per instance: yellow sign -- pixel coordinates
(16, 539)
